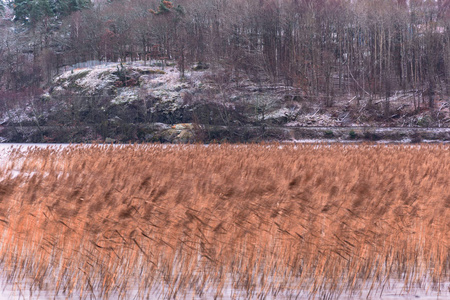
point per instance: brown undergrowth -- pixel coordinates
(314, 220)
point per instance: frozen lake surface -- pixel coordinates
(9, 291)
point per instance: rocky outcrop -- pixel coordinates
(137, 102)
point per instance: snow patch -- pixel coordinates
(125, 95)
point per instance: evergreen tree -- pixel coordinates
(163, 8)
(66, 7)
(30, 12)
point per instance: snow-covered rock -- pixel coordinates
(125, 95)
(124, 83)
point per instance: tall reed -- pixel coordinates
(247, 220)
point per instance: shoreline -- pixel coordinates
(191, 133)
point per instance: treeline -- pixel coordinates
(325, 48)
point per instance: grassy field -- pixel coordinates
(225, 220)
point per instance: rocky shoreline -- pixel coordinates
(136, 102)
(191, 133)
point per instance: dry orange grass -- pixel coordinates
(263, 220)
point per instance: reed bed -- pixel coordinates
(259, 221)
